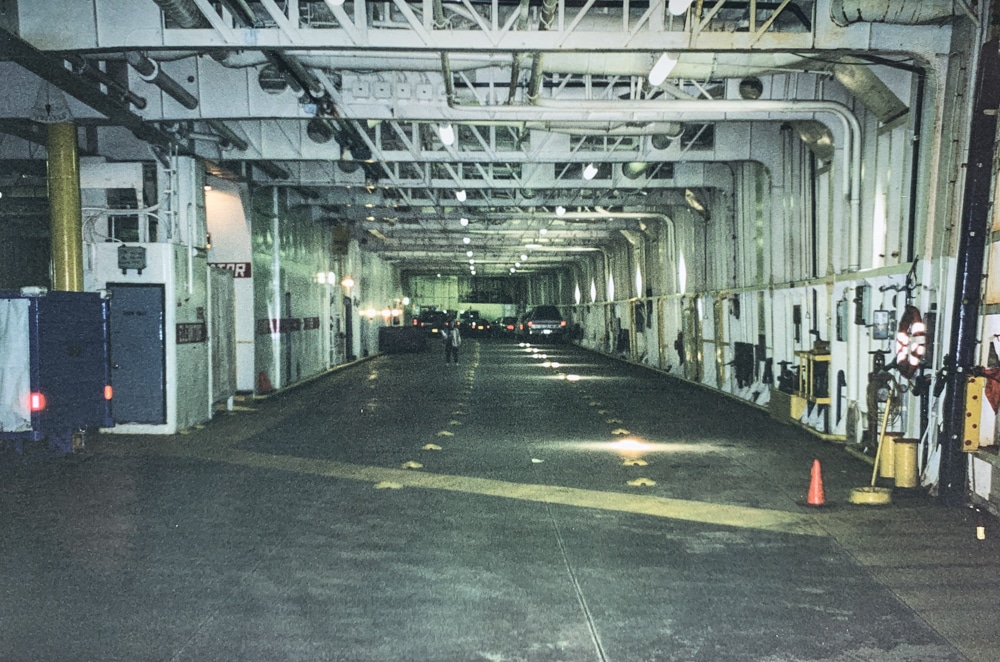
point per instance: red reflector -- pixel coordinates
(107, 392)
(37, 401)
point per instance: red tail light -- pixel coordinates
(36, 401)
(107, 392)
(562, 322)
(530, 324)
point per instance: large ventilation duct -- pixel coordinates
(869, 89)
(184, 13)
(817, 138)
(900, 12)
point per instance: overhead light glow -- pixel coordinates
(678, 7)
(560, 210)
(591, 170)
(460, 195)
(447, 134)
(468, 253)
(466, 240)
(543, 231)
(662, 69)
(524, 257)
(463, 222)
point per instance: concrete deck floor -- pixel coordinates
(407, 510)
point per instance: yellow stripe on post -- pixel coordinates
(65, 224)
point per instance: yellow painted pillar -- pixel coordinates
(66, 224)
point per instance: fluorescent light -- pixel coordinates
(466, 240)
(662, 69)
(460, 195)
(678, 7)
(524, 258)
(560, 210)
(463, 222)
(468, 253)
(447, 134)
(591, 170)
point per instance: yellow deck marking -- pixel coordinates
(445, 433)
(642, 482)
(679, 509)
(635, 463)
(430, 447)
(621, 432)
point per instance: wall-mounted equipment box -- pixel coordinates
(54, 369)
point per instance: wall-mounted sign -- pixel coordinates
(191, 332)
(131, 257)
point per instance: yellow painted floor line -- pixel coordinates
(691, 511)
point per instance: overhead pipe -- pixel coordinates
(548, 16)
(52, 69)
(149, 70)
(86, 68)
(515, 64)
(229, 137)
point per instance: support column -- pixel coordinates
(65, 223)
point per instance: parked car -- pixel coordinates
(505, 327)
(543, 323)
(431, 321)
(473, 326)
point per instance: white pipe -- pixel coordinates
(703, 110)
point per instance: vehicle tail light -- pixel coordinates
(562, 322)
(108, 391)
(530, 324)
(36, 401)
(416, 322)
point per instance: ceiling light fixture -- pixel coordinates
(662, 69)
(468, 253)
(560, 210)
(466, 240)
(447, 134)
(460, 195)
(524, 258)
(591, 170)
(678, 7)
(463, 222)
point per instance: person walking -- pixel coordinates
(452, 341)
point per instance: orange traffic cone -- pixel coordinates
(816, 496)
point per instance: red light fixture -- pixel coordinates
(108, 392)
(36, 401)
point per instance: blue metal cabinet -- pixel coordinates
(54, 368)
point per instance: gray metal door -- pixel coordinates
(138, 362)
